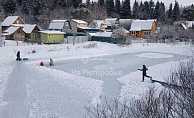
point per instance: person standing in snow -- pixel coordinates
(41, 63)
(18, 55)
(144, 73)
(51, 62)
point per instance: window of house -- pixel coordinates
(147, 32)
(132, 32)
(138, 32)
(35, 36)
(18, 21)
(66, 23)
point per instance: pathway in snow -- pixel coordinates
(34, 92)
(15, 95)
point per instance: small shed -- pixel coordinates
(31, 32)
(49, 36)
(104, 37)
(14, 33)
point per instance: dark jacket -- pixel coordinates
(18, 54)
(143, 70)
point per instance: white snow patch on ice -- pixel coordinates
(154, 55)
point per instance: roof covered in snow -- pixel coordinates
(121, 31)
(103, 34)
(51, 32)
(9, 20)
(58, 21)
(125, 20)
(138, 25)
(96, 23)
(79, 21)
(56, 25)
(11, 30)
(110, 21)
(28, 28)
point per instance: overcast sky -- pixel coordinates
(166, 2)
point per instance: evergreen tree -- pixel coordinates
(135, 10)
(140, 11)
(126, 9)
(176, 12)
(69, 3)
(188, 13)
(88, 2)
(25, 9)
(117, 6)
(157, 10)
(151, 8)
(76, 3)
(109, 7)
(9, 6)
(146, 10)
(62, 3)
(19, 2)
(162, 15)
(101, 2)
(170, 12)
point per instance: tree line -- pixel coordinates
(43, 11)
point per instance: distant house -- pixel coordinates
(75, 24)
(60, 25)
(31, 32)
(111, 23)
(190, 24)
(143, 28)
(121, 33)
(12, 21)
(14, 33)
(98, 24)
(49, 36)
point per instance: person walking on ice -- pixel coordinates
(18, 56)
(51, 62)
(144, 73)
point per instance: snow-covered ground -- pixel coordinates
(28, 90)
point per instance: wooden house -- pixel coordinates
(14, 33)
(111, 23)
(143, 28)
(60, 25)
(75, 24)
(12, 21)
(31, 32)
(98, 24)
(49, 36)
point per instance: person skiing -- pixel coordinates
(18, 56)
(144, 73)
(51, 62)
(41, 63)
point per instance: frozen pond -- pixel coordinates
(109, 68)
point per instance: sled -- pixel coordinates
(25, 59)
